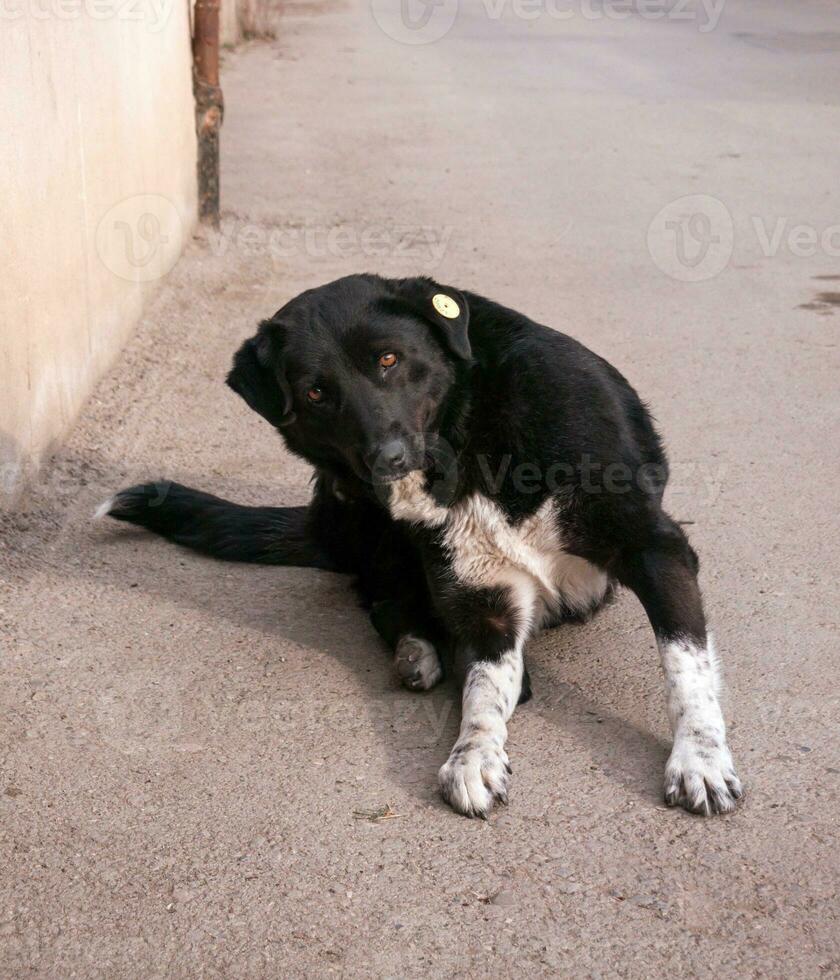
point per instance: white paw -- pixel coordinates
(417, 663)
(700, 776)
(474, 776)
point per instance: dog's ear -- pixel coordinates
(445, 308)
(258, 377)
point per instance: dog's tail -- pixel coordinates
(216, 527)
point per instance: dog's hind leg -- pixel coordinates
(414, 639)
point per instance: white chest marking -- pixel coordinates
(486, 550)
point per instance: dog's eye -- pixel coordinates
(388, 360)
(315, 394)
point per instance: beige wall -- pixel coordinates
(97, 196)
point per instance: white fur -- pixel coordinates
(486, 550)
(104, 509)
(700, 772)
(529, 560)
(477, 771)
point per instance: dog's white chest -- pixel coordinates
(486, 550)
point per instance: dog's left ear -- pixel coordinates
(260, 381)
(445, 308)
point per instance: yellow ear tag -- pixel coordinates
(446, 306)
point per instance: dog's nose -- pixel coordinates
(388, 461)
(392, 454)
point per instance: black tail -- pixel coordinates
(216, 527)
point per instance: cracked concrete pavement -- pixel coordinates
(195, 754)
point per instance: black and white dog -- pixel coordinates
(483, 477)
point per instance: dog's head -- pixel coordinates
(357, 374)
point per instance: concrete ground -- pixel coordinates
(194, 754)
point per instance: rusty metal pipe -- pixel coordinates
(209, 105)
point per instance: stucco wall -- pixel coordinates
(97, 197)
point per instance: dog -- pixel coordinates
(483, 477)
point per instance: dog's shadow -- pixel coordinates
(625, 752)
(317, 613)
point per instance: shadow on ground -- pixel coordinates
(310, 609)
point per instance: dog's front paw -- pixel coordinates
(701, 777)
(474, 776)
(417, 663)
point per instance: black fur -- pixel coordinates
(487, 401)
(267, 535)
